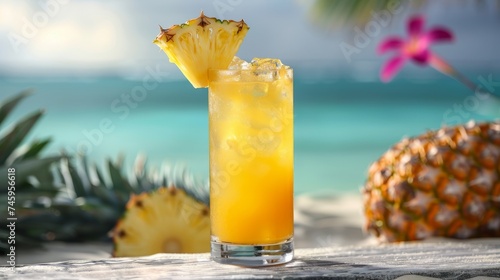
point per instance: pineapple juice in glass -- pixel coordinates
(251, 163)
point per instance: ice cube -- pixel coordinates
(267, 69)
(238, 64)
(266, 64)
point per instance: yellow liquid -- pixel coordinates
(251, 160)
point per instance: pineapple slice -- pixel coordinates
(202, 43)
(442, 183)
(164, 221)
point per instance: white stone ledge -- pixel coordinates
(444, 260)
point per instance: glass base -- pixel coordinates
(252, 255)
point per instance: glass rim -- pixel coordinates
(260, 71)
(249, 75)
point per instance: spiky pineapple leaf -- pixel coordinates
(71, 178)
(28, 168)
(16, 134)
(98, 190)
(7, 106)
(33, 150)
(142, 179)
(83, 172)
(120, 184)
(98, 175)
(105, 195)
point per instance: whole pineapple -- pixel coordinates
(442, 183)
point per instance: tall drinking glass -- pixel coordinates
(251, 166)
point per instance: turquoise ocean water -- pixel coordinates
(341, 126)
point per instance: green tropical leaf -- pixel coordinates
(105, 195)
(120, 184)
(16, 134)
(7, 106)
(33, 150)
(336, 14)
(72, 180)
(28, 168)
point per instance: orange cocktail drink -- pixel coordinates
(251, 139)
(251, 156)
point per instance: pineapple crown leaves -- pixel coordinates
(93, 200)
(85, 180)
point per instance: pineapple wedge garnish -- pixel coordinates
(166, 220)
(200, 44)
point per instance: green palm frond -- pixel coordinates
(33, 178)
(335, 14)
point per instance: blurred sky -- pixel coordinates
(44, 40)
(114, 37)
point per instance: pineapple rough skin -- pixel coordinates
(442, 183)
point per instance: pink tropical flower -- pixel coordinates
(415, 48)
